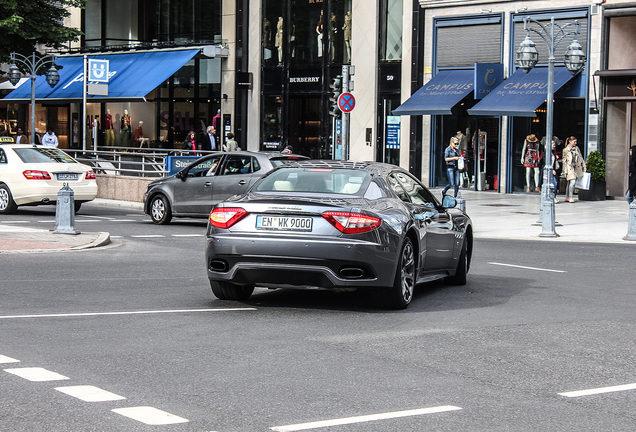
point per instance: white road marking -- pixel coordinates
(9, 228)
(89, 393)
(36, 374)
(366, 418)
(150, 415)
(122, 220)
(5, 359)
(116, 236)
(528, 268)
(68, 315)
(12, 222)
(188, 235)
(88, 220)
(47, 221)
(599, 390)
(148, 236)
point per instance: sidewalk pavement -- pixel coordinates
(494, 216)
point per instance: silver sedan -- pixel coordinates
(339, 226)
(195, 189)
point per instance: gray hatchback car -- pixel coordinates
(193, 191)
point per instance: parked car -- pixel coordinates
(340, 226)
(193, 191)
(33, 175)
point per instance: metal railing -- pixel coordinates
(148, 163)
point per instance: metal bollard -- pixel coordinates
(631, 227)
(461, 202)
(65, 211)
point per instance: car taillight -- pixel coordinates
(90, 175)
(352, 223)
(225, 217)
(36, 175)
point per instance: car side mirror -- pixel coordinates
(181, 175)
(449, 202)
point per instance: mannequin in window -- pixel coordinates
(125, 129)
(110, 133)
(530, 160)
(279, 40)
(267, 37)
(333, 29)
(319, 32)
(347, 37)
(139, 135)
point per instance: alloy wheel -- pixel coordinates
(407, 273)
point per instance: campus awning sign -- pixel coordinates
(440, 94)
(488, 76)
(521, 94)
(130, 76)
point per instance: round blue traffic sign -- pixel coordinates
(346, 102)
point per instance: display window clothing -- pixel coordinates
(110, 133)
(530, 152)
(125, 129)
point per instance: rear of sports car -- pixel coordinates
(302, 228)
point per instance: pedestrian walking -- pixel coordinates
(209, 140)
(49, 139)
(231, 144)
(631, 191)
(573, 166)
(554, 163)
(451, 156)
(190, 142)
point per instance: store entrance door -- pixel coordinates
(305, 126)
(620, 133)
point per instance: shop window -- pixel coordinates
(390, 30)
(272, 122)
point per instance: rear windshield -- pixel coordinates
(43, 155)
(284, 160)
(320, 180)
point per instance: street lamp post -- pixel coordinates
(33, 63)
(527, 57)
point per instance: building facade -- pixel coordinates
(264, 70)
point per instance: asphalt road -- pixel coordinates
(138, 320)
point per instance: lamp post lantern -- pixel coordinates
(527, 57)
(33, 63)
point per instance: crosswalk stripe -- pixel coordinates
(36, 374)
(150, 415)
(89, 393)
(5, 359)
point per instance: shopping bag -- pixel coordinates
(461, 165)
(583, 182)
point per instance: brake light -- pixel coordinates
(36, 175)
(90, 175)
(225, 217)
(352, 223)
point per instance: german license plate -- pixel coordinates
(67, 176)
(284, 223)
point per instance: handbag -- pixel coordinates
(583, 182)
(461, 165)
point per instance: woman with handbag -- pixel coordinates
(451, 156)
(573, 166)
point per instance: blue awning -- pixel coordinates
(521, 94)
(132, 76)
(440, 94)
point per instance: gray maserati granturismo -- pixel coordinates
(337, 225)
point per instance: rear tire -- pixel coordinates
(462, 269)
(7, 205)
(160, 211)
(78, 206)
(400, 295)
(230, 291)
